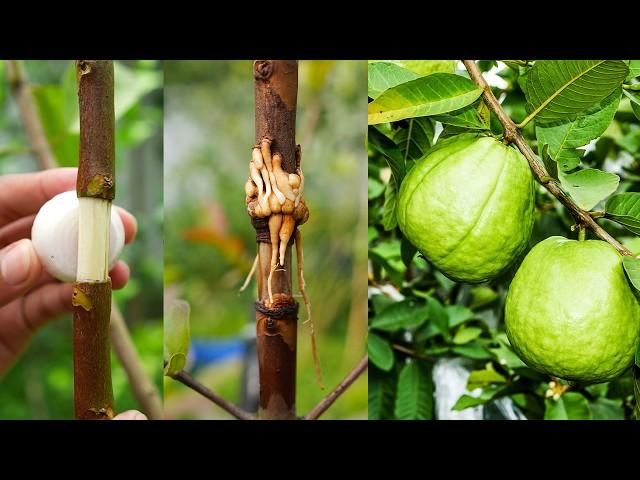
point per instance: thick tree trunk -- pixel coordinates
(276, 91)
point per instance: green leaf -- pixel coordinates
(400, 315)
(472, 117)
(389, 220)
(176, 337)
(634, 98)
(422, 67)
(438, 315)
(407, 251)
(589, 186)
(506, 357)
(431, 95)
(375, 188)
(607, 409)
(382, 392)
(632, 268)
(482, 296)
(488, 393)
(466, 335)
(624, 209)
(414, 141)
(565, 136)
(570, 406)
(479, 378)
(384, 75)
(634, 69)
(458, 314)
(131, 86)
(557, 89)
(414, 400)
(472, 350)
(380, 352)
(389, 150)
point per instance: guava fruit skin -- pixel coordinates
(468, 207)
(571, 313)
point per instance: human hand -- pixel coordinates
(131, 415)
(29, 296)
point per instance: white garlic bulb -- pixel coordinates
(55, 236)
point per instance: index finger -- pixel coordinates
(23, 194)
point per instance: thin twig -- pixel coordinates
(144, 390)
(411, 353)
(512, 134)
(339, 390)
(21, 89)
(187, 380)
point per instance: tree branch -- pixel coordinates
(187, 380)
(21, 90)
(327, 401)
(512, 134)
(411, 353)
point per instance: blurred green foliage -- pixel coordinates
(209, 241)
(40, 385)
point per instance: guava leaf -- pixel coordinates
(176, 337)
(389, 150)
(414, 400)
(479, 378)
(471, 350)
(466, 335)
(632, 268)
(431, 95)
(380, 352)
(382, 390)
(607, 409)
(458, 314)
(422, 67)
(570, 406)
(624, 209)
(472, 117)
(438, 315)
(488, 393)
(389, 220)
(375, 188)
(385, 75)
(634, 69)
(634, 98)
(415, 140)
(407, 251)
(565, 136)
(589, 186)
(400, 315)
(559, 89)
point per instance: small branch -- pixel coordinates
(512, 134)
(21, 90)
(237, 412)
(339, 390)
(143, 388)
(411, 353)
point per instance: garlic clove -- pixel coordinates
(55, 236)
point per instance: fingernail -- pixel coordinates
(15, 263)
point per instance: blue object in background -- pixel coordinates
(207, 352)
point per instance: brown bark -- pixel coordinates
(96, 170)
(92, 301)
(93, 392)
(276, 90)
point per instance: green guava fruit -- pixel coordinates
(571, 313)
(468, 207)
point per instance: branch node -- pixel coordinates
(262, 69)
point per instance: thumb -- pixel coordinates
(20, 270)
(131, 415)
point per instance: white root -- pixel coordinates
(250, 188)
(275, 226)
(265, 149)
(256, 156)
(249, 276)
(255, 176)
(282, 177)
(307, 302)
(275, 188)
(300, 188)
(288, 225)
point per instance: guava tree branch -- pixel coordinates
(187, 380)
(327, 401)
(512, 134)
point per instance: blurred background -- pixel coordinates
(40, 385)
(210, 243)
